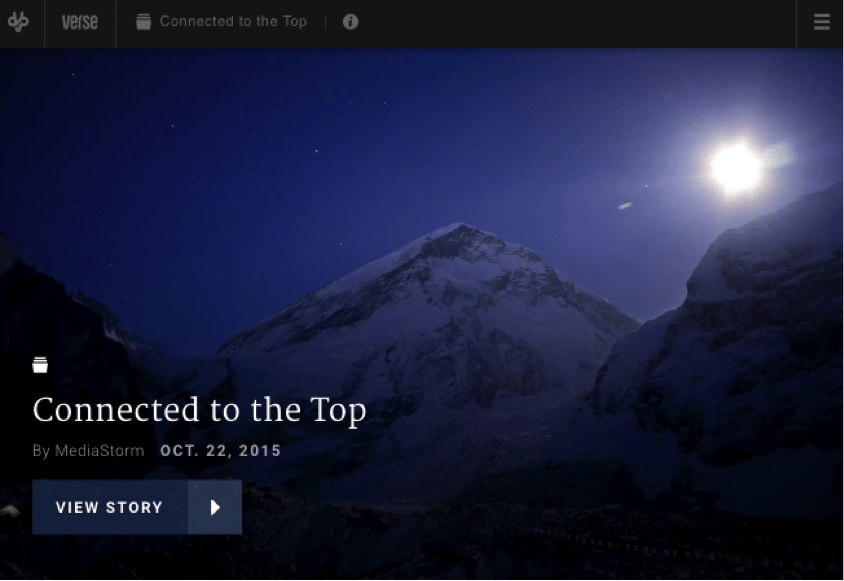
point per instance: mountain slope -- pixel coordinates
(112, 326)
(749, 368)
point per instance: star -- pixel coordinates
(109, 264)
(316, 151)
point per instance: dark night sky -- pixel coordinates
(197, 193)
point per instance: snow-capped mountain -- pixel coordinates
(746, 375)
(459, 315)
(112, 326)
(460, 345)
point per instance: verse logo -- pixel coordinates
(79, 22)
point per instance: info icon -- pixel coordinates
(143, 22)
(350, 21)
(39, 365)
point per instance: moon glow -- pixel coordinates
(736, 169)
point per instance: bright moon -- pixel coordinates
(736, 168)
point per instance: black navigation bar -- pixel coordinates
(273, 24)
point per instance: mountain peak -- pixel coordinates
(458, 231)
(458, 240)
(450, 228)
(457, 288)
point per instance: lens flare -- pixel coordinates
(776, 156)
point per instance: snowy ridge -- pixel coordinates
(761, 252)
(747, 373)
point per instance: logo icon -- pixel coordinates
(143, 22)
(39, 365)
(18, 23)
(350, 21)
(821, 21)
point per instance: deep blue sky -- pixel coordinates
(198, 192)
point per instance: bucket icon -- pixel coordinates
(143, 21)
(39, 365)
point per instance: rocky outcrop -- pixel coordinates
(39, 319)
(112, 326)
